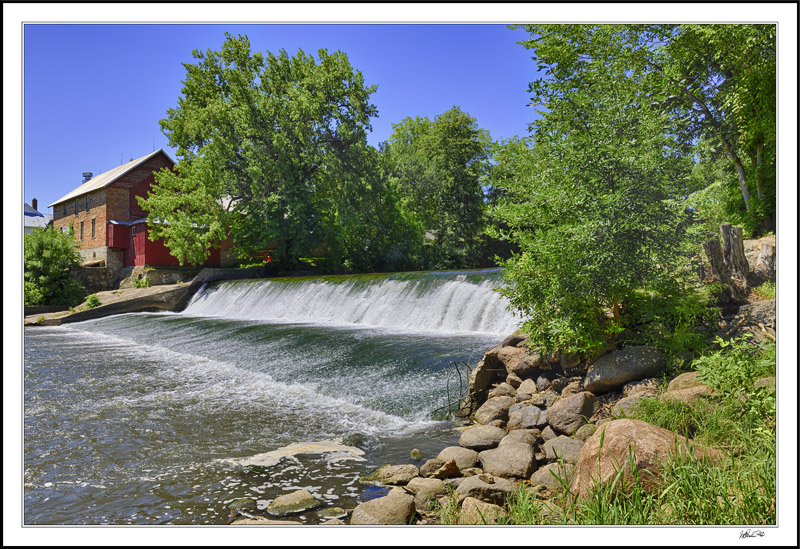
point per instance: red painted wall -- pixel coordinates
(142, 251)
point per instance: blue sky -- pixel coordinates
(94, 94)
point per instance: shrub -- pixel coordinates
(92, 301)
(49, 254)
(143, 282)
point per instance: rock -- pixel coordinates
(524, 436)
(533, 417)
(585, 431)
(504, 389)
(290, 504)
(426, 491)
(542, 383)
(432, 465)
(472, 471)
(494, 409)
(499, 423)
(544, 476)
(513, 460)
(475, 511)
(395, 508)
(514, 339)
(624, 406)
(764, 268)
(563, 448)
(603, 421)
(548, 433)
(448, 470)
(332, 522)
(572, 388)
(650, 385)
(570, 360)
(684, 381)
(484, 374)
(482, 437)
(515, 415)
(243, 504)
(519, 361)
(568, 413)
(396, 474)
(485, 488)
(464, 457)
(612, 371)
(650, 444)
(558, 384)
(544, 400)
(332, 513)
(767, 383)
(526, 390)
(454, 483)
(417, 454)
(514, 380)
(262, 521)
(689, 395)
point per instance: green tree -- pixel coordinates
(593, 205)
(49, 254)
(261, 141)
(438, 168)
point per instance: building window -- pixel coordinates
(81, 230)
(65, 209)
(87, 202)
(76, 206)
(92, 228)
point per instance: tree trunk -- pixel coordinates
(733, 253)
(742, 182)
(730, 294)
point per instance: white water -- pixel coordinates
(453, 302)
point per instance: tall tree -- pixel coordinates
(438, 168)
(592, 207)
(260, 141)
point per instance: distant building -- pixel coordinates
(109, 223)
(33, 218)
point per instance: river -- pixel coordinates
(140, 418)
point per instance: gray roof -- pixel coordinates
(35, 218)
(106, 178)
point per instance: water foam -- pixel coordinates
(459, 302)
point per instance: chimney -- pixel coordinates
(34, 203)
(86, 176)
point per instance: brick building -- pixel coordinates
(109, 223)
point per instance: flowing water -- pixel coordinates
(140, 418)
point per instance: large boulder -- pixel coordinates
(485, 488)
(525, 436)
(464, 457)
(545, 476)
(298, 501)
(494, 409)
(486, 372)
(610, 372)
(526, 390)
(567, 414)
(475, 511)
(396, 474)
(564, 448)
(512, 460)
(397, 507)
(519, 361)
(684, 381)
(426, 491)
(482, 437)
(688, 395)
(651, 445)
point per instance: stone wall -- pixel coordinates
(95, 279)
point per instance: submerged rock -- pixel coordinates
(291, 504)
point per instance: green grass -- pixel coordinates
(143, 282)
(766, 290)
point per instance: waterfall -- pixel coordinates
(457, 302)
